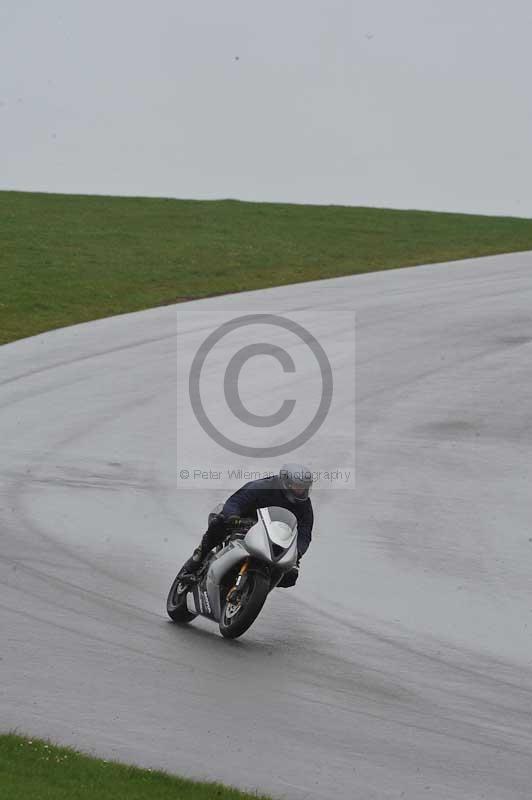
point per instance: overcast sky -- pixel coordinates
(411, 104)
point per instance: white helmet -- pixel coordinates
(296, 482)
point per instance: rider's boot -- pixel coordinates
(195, 561)
(212, 537)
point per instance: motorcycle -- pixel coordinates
(232, 584)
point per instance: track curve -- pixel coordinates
(400, 669)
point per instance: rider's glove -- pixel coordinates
(289, 578)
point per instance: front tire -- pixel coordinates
(176, 603)
(238, 617)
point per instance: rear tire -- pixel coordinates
(176, 603)
(236, 622)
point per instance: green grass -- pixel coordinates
(68, 258)
(31, 769)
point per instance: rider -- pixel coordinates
(290, 489)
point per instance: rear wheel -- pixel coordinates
(243, 608)
(176, 604)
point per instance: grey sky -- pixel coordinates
(371, 102)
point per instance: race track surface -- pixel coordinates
(401, 664)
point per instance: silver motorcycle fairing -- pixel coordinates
(221, 563)
(198, 601)
(191, 603)
(257, 544)
(205, 598)
(257, 541)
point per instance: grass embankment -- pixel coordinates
(31, 769)
(67, 259)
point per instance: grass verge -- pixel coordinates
(31, 769)
(67, 258)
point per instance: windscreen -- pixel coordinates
(280, 523)
(278, 514)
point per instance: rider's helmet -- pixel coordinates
(295, 481)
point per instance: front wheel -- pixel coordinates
(241, 612)
(176, 604)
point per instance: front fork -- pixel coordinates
(240, 581)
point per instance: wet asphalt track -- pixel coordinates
(400, 666)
